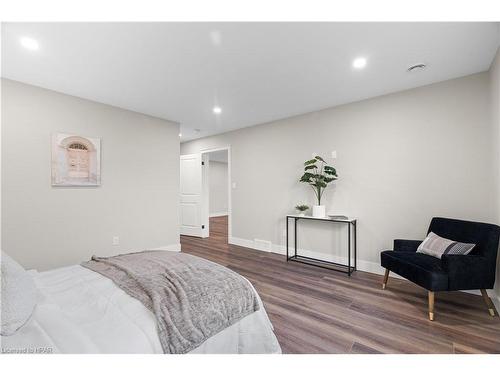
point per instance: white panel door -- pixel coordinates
(191, 188)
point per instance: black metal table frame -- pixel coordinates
(319, 262)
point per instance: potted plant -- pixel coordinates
(301, 208)
(318, 174)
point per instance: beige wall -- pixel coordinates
(45, 227)
(402, 159)
(495, 117)
(218, 195)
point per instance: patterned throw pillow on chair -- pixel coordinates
(437, 246)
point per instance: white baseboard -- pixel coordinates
(496, 300)
(362, 265)
(241, 242)
(216, 214)
(173, 247)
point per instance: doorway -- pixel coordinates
(217, 193)
(205, 194)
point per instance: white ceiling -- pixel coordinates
(256, 72)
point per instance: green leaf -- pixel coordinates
(306, 177)
(309, 167)
(302, 207)
(330, 170)
(309, 162)
(331, 173)
(319, 158)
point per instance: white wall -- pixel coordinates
(402, 159)
(495, 117)
(495, 111)
(45, 227)
(218, 194)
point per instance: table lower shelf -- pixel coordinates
(344, 268)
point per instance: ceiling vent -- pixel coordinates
(416, 67)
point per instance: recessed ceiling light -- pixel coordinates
(216, 37)
(359, 63)
(29, 43)
(217, 110)
(180, 134)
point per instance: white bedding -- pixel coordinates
(80, 311)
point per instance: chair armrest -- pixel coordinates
(406, 245)
(456, 265)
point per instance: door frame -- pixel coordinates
(229, 187)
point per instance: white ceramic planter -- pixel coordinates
(319, 211)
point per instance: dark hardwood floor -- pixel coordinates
(319, 311)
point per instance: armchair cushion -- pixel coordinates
(406, 245)
(467, 272)
(421, 269)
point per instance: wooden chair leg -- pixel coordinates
(487, 299)
(386, 276)
(431, 305)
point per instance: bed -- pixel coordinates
(81, 311)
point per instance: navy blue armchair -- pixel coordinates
(452, 272)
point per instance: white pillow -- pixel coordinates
(437, 246)
(18, 295)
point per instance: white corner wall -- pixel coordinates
(495, 118)
(45, 227)
(402, 159)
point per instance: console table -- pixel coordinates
(345, 268)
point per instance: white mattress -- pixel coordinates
(80, 311)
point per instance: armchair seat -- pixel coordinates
(421, 269)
